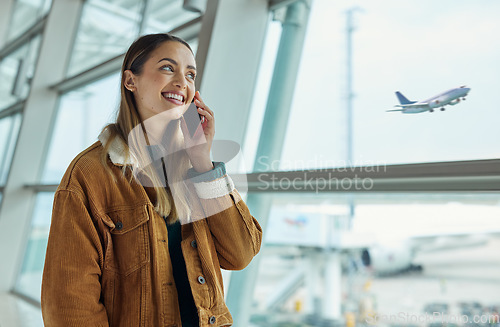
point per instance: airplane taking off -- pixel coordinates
(450, 97)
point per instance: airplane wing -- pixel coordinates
(446, 241)
(414, 105)
(396, 255)
(410, 106)
(427, 236)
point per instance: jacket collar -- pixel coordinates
(117, 150)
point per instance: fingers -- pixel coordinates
(199, 103)
(206, 113)
(203, 109)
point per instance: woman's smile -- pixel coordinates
(174, 97)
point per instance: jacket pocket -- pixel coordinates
(128, 241)
(170, 302)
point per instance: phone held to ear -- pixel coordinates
(192, 118)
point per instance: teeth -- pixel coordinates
(174, 96)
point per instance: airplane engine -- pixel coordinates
(454, 102)
(388, 260)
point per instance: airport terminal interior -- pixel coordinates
(370, 216)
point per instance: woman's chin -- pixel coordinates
(175, 112)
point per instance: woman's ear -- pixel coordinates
(129, 80)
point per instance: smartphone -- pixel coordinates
(192, 118)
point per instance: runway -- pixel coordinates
(453, 277)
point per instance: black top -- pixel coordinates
(189, 313)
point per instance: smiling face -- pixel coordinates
(166, 80)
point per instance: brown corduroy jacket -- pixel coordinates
(108, 263)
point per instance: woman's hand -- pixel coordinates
(198, 146)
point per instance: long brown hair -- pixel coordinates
(171, 199)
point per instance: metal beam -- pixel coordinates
(6, 7)
(318, 185)
(12, 110)
(23, 39)
(458, 176)
(34, 137)
(226, 61)
(466, 176)
(277, 4)
(42, 187)
(282, 292)
(107, 68)
(270, 145)
(205, 39)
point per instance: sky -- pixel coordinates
(420, 48)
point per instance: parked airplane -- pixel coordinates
(388, 258)
(450, 97)
(306, 229)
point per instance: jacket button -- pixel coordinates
(193, 244)
(212, 320)
(118, 225)
(201, 280)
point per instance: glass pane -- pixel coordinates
(260, 96)
(194, 45)
(82, 115)
(25, 14)
(16, 72)
(406, 253)
(28, 314)
(46, 6)
(163, 16)
(9, 129)
(395, 49)
(30, 279)
(107, 28)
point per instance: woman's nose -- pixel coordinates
(179, 81)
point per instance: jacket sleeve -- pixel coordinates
(236, 233)
(71, 278)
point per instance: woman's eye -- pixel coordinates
(192, 76)
(169, 68)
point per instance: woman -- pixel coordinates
(128, 243)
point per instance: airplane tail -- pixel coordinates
(402, 99)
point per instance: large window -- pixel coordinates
(384, 252)
(261, 94)
(108, 27)
(16, 72)
(25, 14)
(9, 129)
(81, 116)
(164, 16)
(418, 48)
(342, 258)
(30, 278)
